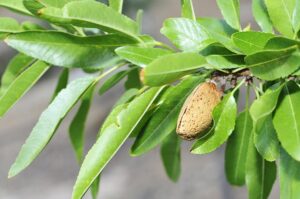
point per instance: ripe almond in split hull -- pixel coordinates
(196, 114)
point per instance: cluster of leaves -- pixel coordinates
(98, 39)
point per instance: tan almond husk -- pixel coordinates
(196, 114)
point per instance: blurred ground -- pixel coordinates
(53, 174)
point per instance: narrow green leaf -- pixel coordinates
(133, 79)
(289, 176)
(226, 61)
(163, 121)
(261, 15)
(260, 174)
(116, 5)
(98, 15)
(76, 130)
(273, 64)
(251, 42)
(14, 5)
(21, 85)
(186, 34)
(224, 116)
(127, 96)
(287, 119)
(111, 139)
(281, 14)
(170, 155)
(261, 111)
(15, 67)
(296, 17)
(231, 12)
(112, 81)
(62, 49)
(187, 9)
(220, 31)
(237, 149)
(95, 187)
(140, 56)
(48, 123)
(62, 82)
(171, 67)
(280, 42)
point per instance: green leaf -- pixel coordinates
(76, 130)
(186, 34)
(280, 42)
(224, 115)
(95, 187)
(116, 5)
(48, 123)
(251, 42)
(66, 50)
(169, 68)
(62, 82)
(265, 138)
(111, 139)
(287, 119)
(261, 15)
(220, 31)
(281, 14)
(127, 96)
(231, 12)
(266, 141)
(15, 67)
(260, 174)
(112, 81)
(163, 121)
(170, 155)
(21, 85)
(273, 64)
(8, 25)
(237, 149)
(216, 49)
(187, 9)
(14, 5)
(289, 176)
(296, 17)
(226, 61)
(98, 15)
(133, 79)
(140, 56)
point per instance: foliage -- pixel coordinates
(98, 39)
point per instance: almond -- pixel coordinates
(196, 114)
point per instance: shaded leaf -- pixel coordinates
(77, 126)
(140, 56)
(220, 31)
(48, 123)
(95, 187)
(67, 50)
(280, 42)
(261, 15)
(170, 155)
(163, 121)
(111, 139)
(237, 149)
(171, 67)
(251, 42)
(289, 176)
(231, 12)
(20, 85)
(186, 34)
(281, 14)
(62, 82)
(287, 119)
(133, 79)
(260, 174)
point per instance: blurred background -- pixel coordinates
(54, 172)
